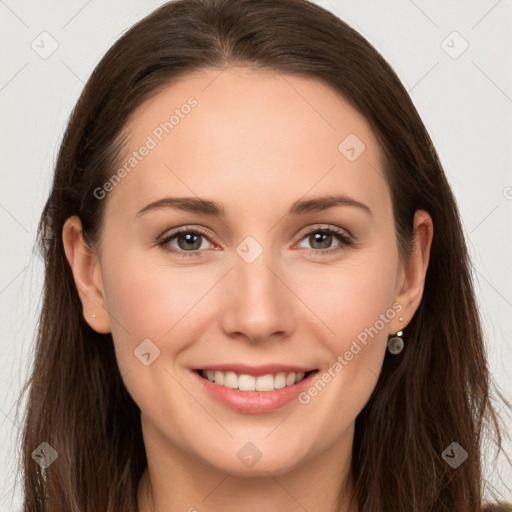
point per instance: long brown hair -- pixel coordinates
(436, 392)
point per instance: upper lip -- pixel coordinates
(256, 371)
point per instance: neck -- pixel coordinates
(175, 481)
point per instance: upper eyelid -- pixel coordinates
(324, 227)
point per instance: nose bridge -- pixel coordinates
(253, 269)
(258, 304)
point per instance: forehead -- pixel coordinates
(241, 134)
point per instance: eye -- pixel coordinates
(189, 241)
(322, 237)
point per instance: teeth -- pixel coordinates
(230, 380)
(280, 381)
(262, 383)
(245, 382)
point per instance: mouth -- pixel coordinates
(246, 382)
(254, 390)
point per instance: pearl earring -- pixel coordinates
(396, 342)
(94, 316)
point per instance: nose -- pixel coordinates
(258, 301)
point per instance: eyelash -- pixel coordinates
(345, 240)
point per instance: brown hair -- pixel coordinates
(436, 392)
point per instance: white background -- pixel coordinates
(465, 102)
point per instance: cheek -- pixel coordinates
(149, 303)
(353, 307)
(354, 303)
(171, 307)
(351, 296)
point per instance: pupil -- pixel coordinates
(327, 239)
(189, 238)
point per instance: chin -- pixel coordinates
(248, 460)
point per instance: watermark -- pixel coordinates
(249, 249)
(454, 455)
(45, 455)
(45, 45)
(351, 147)
(146, 352)
(249, 454)
(454, 45)
(343, 360)
(151, 142)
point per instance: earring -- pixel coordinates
(94, 316)
(396, 342)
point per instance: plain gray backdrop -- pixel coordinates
(454, 57)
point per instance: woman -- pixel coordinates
(254, 370)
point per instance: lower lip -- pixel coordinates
(255, 402)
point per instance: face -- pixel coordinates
(280, 283)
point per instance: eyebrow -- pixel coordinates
(208, 207)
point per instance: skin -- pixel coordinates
(252, 134)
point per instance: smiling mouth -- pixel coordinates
(245, 382)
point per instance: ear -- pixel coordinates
(415, 269)
(86, 270)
